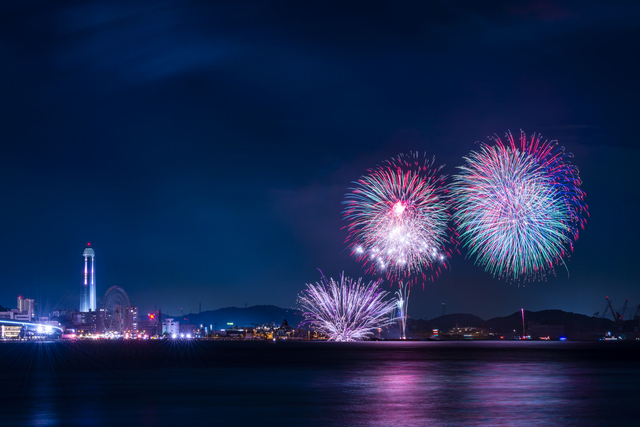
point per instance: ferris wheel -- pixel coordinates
(114, 303)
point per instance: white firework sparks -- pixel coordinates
(347, 310)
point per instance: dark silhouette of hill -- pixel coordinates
(574, 323)
(448, 321)
(257, 314)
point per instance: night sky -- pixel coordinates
(205, 148)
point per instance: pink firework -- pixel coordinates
(398, 219)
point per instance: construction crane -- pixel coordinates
(600, 314)
(613, 313)
(624, 309)
(617, 317)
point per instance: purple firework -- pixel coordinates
(347, 310)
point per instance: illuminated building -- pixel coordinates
(15, 314)
(131, 314)
(10, 331)
(26, 306)
(148, 325)
(170, 327)
(88, 292)
(92, 322)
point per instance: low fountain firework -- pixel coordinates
(347, 310)
(518, 207)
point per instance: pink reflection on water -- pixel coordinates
(396, 392)
(403, 395)
(433, 390)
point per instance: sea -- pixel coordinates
(395, 383)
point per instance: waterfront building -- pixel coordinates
(79, 318)
(131, 315)
(10, 331)
(15, 314)
(27, 306)
(148, 325)
(170, 327)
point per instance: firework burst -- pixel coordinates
(398, 218)
(347, 310)
(518, 207)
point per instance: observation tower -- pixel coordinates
(88, 292)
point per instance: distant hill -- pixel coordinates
(572, 322)
(226, 317)
(448, 321)
(575, 324)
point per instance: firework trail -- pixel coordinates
(402, 305)
(347, 310)
(398, 219)
(518, 207)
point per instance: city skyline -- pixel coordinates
(210, 166)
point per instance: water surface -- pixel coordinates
(319, 383)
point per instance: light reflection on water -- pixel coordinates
(465, 393)
(319, 383)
